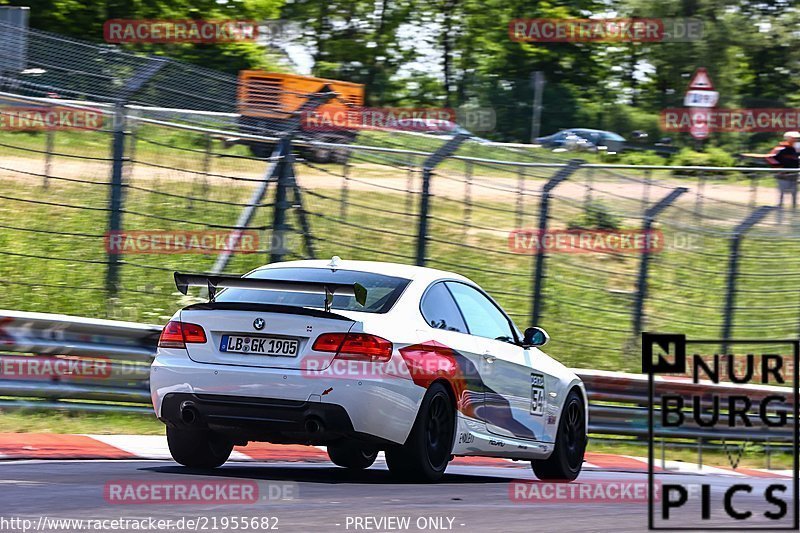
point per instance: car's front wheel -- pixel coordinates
(566, 461)
(352, 455)
(426, 453)
(198, 449)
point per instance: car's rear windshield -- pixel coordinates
(382, 291)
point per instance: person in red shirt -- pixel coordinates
(785, 155)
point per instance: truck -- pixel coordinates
(269, 104)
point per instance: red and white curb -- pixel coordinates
(15, 446)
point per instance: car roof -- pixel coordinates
(412, 272)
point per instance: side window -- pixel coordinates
(440, 311)
(483, 318)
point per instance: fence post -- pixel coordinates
(467, 195)
(587, 197)
(733, 268)
(137, 81)
(343, 195)
(753, 190)
(281, 171)
(520, 197)
(641, 282)
(544, 208)
(209, 148)
(648, 180)
(434, 159)
(48, 158)
(698, 202)
(409, 183)
(279, 228)
(115, 198)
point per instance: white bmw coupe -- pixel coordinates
(361, 357)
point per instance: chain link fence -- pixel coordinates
(168, 158)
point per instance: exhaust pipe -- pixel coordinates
(314, 425)
(189, 413)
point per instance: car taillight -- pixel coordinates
(359, 346)
(177, 334)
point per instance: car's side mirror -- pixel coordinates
(535, 337)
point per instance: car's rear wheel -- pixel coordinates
(352, 455)
(198, 449)
(426, 453)
(566, 461)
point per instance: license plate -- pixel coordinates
(259, 345)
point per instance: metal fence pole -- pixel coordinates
(648, 180)
(733, 268)
(520, 196)
(544, 208)
(698, 202)
(753, 191)
(48, 158)
(587, 197)
(409, 183)
(641, 282)
(136, 82)
(281, 171)
(247, 214)
(424, 206)
(344, 190)
(115, 198)
(300, 209)
(467, 195)
(279, 227)
(282, 204)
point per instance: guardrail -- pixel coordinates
(89, 364)
(80, 363)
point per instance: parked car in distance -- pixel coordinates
(577, 139)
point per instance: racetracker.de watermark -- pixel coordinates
(181, 242)
(425, 365)
(33, 367)
(40, 118)
(342, 118)
(584, 491)
(200, 492)
(577, 241)
(730, 120)
(124, 31)
(609, 30)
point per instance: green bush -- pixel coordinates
(712, 157)
(642, 158)
(595, 216)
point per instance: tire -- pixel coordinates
(426, 452)
(198, 449)
(260, 150)
(352, 455)
(566, 461)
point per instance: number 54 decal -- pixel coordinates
(537, 394)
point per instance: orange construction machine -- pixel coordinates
(274, 103)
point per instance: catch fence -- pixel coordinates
(170, 157)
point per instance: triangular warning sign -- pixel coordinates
(701, 80)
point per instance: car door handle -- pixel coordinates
(489, 358)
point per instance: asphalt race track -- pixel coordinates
(322, 497)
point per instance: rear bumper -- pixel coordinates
(263, 419)
(270, 404)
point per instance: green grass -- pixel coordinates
(32, 421)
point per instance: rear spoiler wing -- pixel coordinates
(215, 282)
